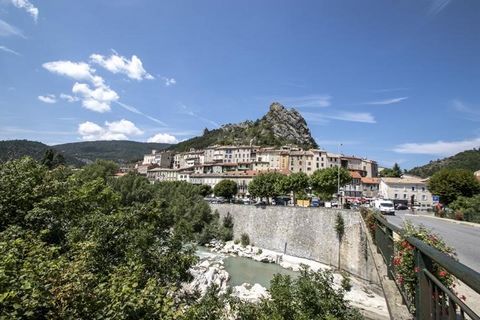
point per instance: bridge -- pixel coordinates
(432, 299)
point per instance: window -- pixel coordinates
(318, 166)
(404, 196)
(396, 196)
(413, 188)
(424, 197)
(423, 189)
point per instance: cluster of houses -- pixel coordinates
(242, 163)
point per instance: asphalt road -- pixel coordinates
(464, 238)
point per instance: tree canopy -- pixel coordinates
(394, 172)
(225, 188)
(265, 185)
(450, 184)
(325, 181)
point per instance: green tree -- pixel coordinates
(265, 185)
(205, 190)
(325, 181)
(310, 296)
(296, 183)
(450, 184)
(340, 229)
(394, 172)
(52, 159)
(99, 169)
(225, 188)
(133, 188)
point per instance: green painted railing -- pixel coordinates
(432, 299)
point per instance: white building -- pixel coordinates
(407, 189)
(164, 158)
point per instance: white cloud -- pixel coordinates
(123, 126)
(7, 30)
(387, 101)
(117, 130)
(49, 98)
(27, 6)
(3, 48)
(320, 118)
(440, 147)
(163, 138)
(97, 99)
(169, 81)
(75, 70)
(309, 101)
(133, 68)
(69, 98)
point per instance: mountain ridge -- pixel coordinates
(468, 159)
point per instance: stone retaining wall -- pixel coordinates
(306, 233)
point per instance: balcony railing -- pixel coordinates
(433, 300)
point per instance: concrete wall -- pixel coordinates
(308, 232)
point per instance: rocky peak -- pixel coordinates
(288, 124)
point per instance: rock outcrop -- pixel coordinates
(280, 126)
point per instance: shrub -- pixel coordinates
(237, 241)
(404, 260)
(369, 218)
(259, 251)
(346, 282)
(459, 215)
(245, 239)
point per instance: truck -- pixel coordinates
(384, 206)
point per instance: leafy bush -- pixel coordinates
(236, 241)
(310, 296)
(244, 239)
(369, 218)
(346, 282)
(404, 259)
(468, 207)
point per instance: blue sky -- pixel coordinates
(395, 81)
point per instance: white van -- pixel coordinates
(385, 206)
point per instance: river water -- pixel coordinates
(243, 270)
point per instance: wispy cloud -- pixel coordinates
(49, 98)
(169, 81)
(389, 90)
(470, 113)
(309, 101)
(16, 130)
(436, 6)
(185, 110)
(444, 148)
(3, 48)
(386, 101)
(7, 30)
(135, 110)
(28, 7)
(322, 118)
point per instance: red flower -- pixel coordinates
(417, 269)
(400, 279)
(397, 261)
(442, 273)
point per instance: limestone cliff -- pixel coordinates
(280, 126)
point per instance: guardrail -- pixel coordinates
(433, 300)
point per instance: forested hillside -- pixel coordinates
(469, 160)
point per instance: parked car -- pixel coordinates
(401, 206)
(260, 204)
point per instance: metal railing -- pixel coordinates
(433, 300)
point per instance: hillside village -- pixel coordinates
(241, 163)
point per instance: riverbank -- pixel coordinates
(362, 295)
